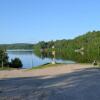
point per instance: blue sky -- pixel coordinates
(35, 20)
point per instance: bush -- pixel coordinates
(16, 63)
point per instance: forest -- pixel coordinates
(82, 49)
(85, 48)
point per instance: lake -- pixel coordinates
(30, 59)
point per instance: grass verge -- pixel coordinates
(45, 66)
(6, 68)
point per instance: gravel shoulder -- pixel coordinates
(49, 71)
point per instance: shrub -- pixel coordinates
(16, 63)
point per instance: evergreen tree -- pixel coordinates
(3, 58)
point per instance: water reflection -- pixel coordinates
(30, 59)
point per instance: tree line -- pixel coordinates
(90, 42)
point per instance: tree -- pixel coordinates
(65, 49)
(3, 58)
(16, 63)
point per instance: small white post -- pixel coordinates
(54, 55)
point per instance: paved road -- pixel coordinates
(79, 85)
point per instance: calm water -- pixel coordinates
(29, 58)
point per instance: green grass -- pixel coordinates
(6, 68)
(36, 67)
(45, 66)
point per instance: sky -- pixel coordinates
(30, 21)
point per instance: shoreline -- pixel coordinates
(44, 71)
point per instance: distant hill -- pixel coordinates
(17, 46)
(88, 39)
